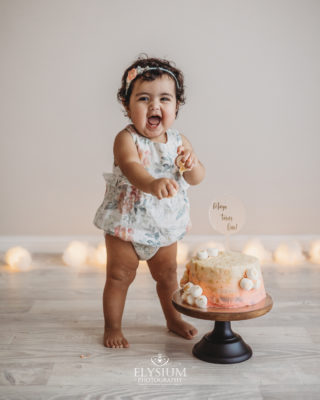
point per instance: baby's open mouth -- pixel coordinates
(154, 121)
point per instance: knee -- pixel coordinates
(165, 275)
(121, 275)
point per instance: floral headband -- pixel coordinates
(134, 72)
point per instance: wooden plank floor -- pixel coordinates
(52, 314)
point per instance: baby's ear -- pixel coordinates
(127, 109)
(177, 107)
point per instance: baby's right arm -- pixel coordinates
(127, 157)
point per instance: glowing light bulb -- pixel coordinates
(101, 254)
(19, 258)
(256, 249)
(315, 252)
(289, 253)
(182, 253)
(75, 255)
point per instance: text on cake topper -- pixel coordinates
(227, 216)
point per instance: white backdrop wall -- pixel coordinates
(252, 113)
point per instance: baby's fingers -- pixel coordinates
(174, 184)
(180, 150)
(172, 188)
(185, 157)
(189, 161)
(166, 188)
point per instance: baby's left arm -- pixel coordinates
(196, 170)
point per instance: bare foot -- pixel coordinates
(182, 328)
(114, 338)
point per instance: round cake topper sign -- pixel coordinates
(227, 215)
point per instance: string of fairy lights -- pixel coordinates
(79, 254)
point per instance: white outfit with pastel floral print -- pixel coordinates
(139, 217)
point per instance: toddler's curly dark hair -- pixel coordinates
(144, 61)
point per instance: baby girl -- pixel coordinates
(145, 210)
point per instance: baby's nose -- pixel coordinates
(154, 106)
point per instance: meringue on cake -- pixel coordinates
(223, 279)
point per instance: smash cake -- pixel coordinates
(222, 279)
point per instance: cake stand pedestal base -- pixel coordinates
(222, 346)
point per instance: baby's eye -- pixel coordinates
(165, 99)
(143, 98)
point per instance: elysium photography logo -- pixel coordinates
(159, 372)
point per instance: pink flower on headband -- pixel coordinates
(131, 75)
(134, 72)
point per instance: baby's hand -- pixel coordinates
(164, 187)
(186, 157)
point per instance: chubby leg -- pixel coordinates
(163, 268)
(122, 263)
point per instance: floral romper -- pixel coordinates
(141, 218)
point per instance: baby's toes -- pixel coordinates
(193, 331)
(189, 335)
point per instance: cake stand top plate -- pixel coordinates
(222, 314)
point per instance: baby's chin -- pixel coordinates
(159, 134)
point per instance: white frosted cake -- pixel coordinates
(224, 279)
